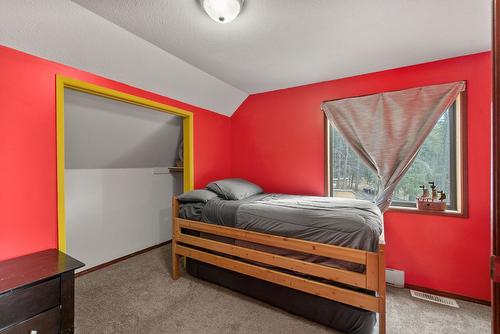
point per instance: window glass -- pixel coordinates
(436, 161)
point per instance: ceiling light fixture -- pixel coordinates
(222, 11)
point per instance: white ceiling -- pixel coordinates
(63, 31)
(104, 133)
(281, 43)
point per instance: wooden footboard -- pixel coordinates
(233, 258)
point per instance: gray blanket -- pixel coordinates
(336, 221)
(224, 212)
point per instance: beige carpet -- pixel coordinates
(138, 296)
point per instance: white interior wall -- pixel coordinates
(116, 201)
(104, 133)
(111, 213)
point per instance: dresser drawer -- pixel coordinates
(25, 303)
(48, 322)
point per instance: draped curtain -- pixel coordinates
(387, 130)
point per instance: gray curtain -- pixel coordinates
(387, 130)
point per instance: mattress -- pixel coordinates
(336, 221)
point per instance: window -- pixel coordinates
(439, 160)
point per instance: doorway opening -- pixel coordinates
(110, 145)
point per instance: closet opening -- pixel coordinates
(121, 158)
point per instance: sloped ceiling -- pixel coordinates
(172, 48)
(103, 133)
(63, 31)
(275, 44)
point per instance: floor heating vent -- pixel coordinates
(433, 298)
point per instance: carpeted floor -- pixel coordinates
(138, 296)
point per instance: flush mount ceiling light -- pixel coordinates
(222, 11)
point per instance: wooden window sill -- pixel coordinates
(449, 213)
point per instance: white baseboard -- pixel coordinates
(395, 277)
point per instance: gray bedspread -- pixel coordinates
(336, 221)
(224, 212)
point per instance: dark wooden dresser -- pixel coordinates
(37, 293)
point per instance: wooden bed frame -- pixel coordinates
(233, 258)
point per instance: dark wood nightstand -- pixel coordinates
(37, 293)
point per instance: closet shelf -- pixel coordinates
(176, 169)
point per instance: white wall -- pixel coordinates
(114, 212)
(62, 31)
(115, 205)
(105, 133)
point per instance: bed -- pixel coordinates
(319, 257)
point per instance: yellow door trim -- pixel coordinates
(65, 82)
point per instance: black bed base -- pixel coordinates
(344, 318)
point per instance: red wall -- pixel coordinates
(278, 142)
(28, 198)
